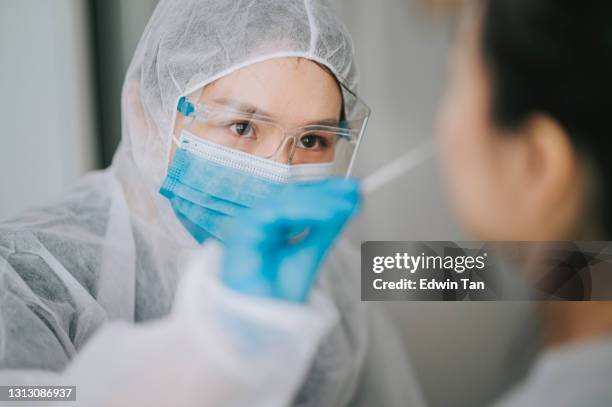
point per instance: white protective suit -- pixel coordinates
(95, 290)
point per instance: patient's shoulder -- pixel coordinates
(83, 209)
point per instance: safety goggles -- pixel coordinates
(244, 129)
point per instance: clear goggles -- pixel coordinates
(245, 130)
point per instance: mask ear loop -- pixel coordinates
(175, 141)
(186, 108)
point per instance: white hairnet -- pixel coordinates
(113, 249)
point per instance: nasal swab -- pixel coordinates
(397, 167)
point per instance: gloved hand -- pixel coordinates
(276, 249)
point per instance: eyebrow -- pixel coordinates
(252, 109)
(325, 122)
(242, 106)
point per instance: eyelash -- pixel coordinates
(251, 127)
(322, 142)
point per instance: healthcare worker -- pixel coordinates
(524, 139)
(224, 104)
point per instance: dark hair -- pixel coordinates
(555, 57)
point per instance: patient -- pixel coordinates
(525, 140)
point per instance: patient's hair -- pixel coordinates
(555, 57)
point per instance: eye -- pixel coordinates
(242, 129)
(313, 142)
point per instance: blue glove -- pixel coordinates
(276, 249)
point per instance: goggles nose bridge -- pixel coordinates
(286, 148)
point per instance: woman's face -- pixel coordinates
(284, 93)
(503, 185)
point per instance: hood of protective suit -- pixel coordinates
(188, 44)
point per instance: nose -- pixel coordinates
(284, 153)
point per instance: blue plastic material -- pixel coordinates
(265, 253)
(206, 195)
(185, 107)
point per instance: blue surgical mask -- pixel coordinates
(207, 184)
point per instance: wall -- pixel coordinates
(46, 107)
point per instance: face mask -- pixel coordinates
(207, 184)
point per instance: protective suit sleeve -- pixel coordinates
(216, 348)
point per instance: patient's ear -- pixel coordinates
(551, 177)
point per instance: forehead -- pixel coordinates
(292, 90)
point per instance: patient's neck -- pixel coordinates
(569, 322)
